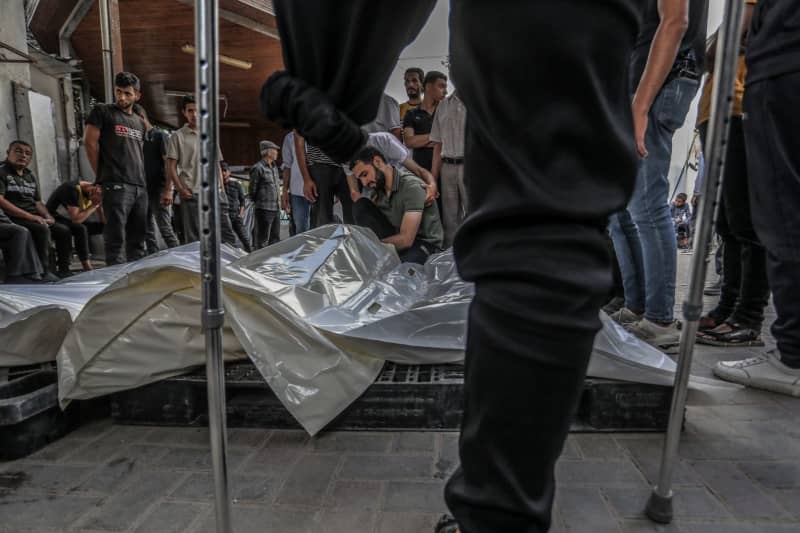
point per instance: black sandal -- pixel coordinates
(446, 524)
(736, 336)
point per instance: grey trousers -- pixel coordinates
(159, 216)
(454, 200)
(190, 218)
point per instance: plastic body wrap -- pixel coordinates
(318, 314)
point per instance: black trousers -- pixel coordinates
(267, 228)
(773, 159)
(41, 235)
(368, 215)
(125, 208)
(159, 216)
(227, 235)
(19, 250)
(238, 227)
(745, 292)
(331, 183)
(540, 198)
(64, 232)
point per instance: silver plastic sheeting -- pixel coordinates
(318, 314)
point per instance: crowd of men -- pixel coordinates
(147, 184)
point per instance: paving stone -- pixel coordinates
(198, 458)
(171, 517)
(386, 467)
(55, 451)
(361, 495)
(571, 449)
(352, 442)
(121, 510)
(646, 526)
(143, 454)
(597, 472)
(34, 513)
(789, 499)
(599, 447)
(755, 413)
(92, 429)
(401, 522)
(742, 497)
(50, 478)
(247, 437)
(647, 456)
(414, 442)
(415, 496)
(96, 451)
(447, 460)
(774, 475)
(309, 480)
(336, 521)
(689, 502)
(267, 519)
(738, 528)
(584, 510)
(243, 488)
(111, 476)
(180, 436)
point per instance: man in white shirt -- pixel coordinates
(293, 201)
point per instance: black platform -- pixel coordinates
(416, 397)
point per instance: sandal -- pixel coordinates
(446, 524)
(708, 322)
(730, 335)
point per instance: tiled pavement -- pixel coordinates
(739, 473)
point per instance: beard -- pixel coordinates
(380, 179)
(412, 94)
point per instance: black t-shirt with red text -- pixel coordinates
(121, 158)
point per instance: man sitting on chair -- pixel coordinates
(395, 209)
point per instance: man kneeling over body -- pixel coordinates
(396, 209)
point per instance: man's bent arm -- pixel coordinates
(415, 141)
(300, 156)
(408, 231)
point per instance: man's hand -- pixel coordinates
(186, 194)
(310, 191)
(431, 193)
(285, 204)
(166, 198)
(38, 219)
(640, 128)
(49, 220)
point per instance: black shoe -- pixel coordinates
(446, 524)
(24, 280)
(64, 274)
(49, 277)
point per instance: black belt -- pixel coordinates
(453, 160)
(684, 68)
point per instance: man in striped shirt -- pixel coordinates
(323, 179)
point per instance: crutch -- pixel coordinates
(659, 506)
(206, 29)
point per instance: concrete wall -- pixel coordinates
(12, 32)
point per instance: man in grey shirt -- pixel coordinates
(387, 119)
(447, 134)
(265, 180)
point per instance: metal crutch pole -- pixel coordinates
(206, 29)
(659, 506)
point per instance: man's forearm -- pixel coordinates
(663, 52)
(12, 210)
(398, 241)
(417, 141)
(42, 210)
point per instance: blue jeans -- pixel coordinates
(648, 210)
(301, 213)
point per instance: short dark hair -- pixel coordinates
(139, 110)
(415, 70)
(187, 99)
(366, 155)
(19, 141)
(434, 75)
(682, 196)
(224, 165)
(127, 79)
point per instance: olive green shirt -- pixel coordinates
(408, 195)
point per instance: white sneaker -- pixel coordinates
(665, 338)
(762, 372)
(625, 316)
